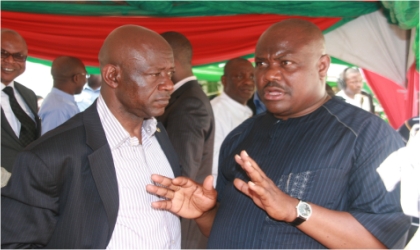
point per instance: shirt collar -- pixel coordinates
(12, 84)
(116, 134)
(89, 88)
(183, 81)
(63, 94)
(235, 104)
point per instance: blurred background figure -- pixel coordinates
(89, 93)
(351, 83)
(39, 100)
(230, 107)
(20, 124)
(189, 120)
(69, 75)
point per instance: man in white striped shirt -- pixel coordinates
(84, 183)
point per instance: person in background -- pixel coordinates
(351, 83)
(229, 108)
(82, 184)
(89, 93)
(39, 100)
(189, 120)
(69, 76)
(20, 124)
(259, 105)
(329, 90)
(284, 181)
(404, 130)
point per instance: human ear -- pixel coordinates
(110, 75)
(323, 65)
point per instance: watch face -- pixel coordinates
(304, 210)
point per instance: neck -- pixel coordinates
(129, 121)
(7, 84)
(64, 89)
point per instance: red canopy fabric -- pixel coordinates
(399, 103)
(214, 38)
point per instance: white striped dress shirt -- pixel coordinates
(138, 224)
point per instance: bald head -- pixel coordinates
(231, 64)
(13, 34)
(66, 66)
(128, 39)
(69, 74)
(14, 51)
(297, 31)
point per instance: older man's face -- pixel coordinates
(354, 82)
(13, 57)
(147, 82)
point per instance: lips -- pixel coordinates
(163, 101)
(7, 69)
(248, 90)
(274, 94)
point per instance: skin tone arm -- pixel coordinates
(188, 199)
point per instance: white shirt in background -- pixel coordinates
(228, 114)
(359, 100)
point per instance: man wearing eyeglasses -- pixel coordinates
(69, 75)
(20, 124)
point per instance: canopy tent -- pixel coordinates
(356, 32)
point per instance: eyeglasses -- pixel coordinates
(17, 57)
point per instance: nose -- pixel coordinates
(166, 84)
(249, 80)
(272, 74)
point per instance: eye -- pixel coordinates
(260, 64)
(238, 77)
(286, 63)
(154, 74)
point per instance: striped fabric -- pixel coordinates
(138, 225)
(328, 157)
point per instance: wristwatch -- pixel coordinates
(304, 211)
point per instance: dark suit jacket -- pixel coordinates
(189, 120)
(64, 192)
(10, 144)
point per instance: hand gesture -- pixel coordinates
(264, 192)
(184, 197)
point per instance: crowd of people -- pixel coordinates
(139, 157)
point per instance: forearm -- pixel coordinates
(205, 221)
(336, 229)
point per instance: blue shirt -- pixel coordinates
(56, 108)
(87, 97)
(259, 105)
(328, 157)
